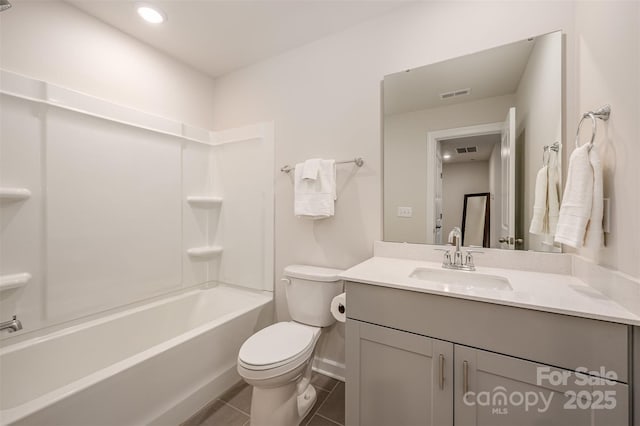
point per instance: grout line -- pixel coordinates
(190, 420)
(328, 419)
(234, 407)
(317, 413)
(323, 388)
(321, 405)
(230, 404)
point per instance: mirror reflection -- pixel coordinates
(476, 223)
(470, 125)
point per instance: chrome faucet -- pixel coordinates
(455, 238)
(11, 325)
(456, 259)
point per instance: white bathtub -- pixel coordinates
(154, 364)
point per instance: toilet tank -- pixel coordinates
(309, 291)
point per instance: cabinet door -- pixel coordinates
(397, 378)
(502, 390)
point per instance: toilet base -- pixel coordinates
(282, 406)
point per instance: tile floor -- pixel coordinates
(234, 407)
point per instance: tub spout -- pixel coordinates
(11, 325)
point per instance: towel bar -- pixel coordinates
(358, 160)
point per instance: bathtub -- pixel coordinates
(154, 364)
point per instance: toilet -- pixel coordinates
(277, 360)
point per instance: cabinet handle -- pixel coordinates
(441, 371)
(465, 377)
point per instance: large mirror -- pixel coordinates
(481, 123)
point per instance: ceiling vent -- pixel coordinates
(464, 150)
(455, 93)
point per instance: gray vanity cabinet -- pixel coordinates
(398, 378)
(420, 359)
(507, 391)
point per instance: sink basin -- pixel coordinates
(461, 279)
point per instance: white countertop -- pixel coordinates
(557, 293)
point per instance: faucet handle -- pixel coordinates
(447, 256)
(469, 258)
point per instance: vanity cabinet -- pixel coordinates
(422, 359)
(507, 391)
(397, 378)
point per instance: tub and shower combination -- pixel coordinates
(153, 364)
(145, 258)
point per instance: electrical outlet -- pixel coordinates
(405, 212)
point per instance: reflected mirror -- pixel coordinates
(474, 124)
(476, 223)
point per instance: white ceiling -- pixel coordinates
(493, 72)
(217, 37)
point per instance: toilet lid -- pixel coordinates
(277, 344)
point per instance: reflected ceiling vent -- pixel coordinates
(455, 93)
(464, 150)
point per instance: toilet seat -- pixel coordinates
(280, 344)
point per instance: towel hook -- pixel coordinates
(601, 113)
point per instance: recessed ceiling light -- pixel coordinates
(446, 156)
(151, 14)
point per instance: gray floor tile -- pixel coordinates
(333, 407)
(233, 407)
(321, 396)
(320, 381)
(239, 396)
(224, 415)
(201, 415)
(318, 420)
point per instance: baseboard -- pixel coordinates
(329, 368)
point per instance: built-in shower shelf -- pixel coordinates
(202, 200)
(207, 251)
(14, 193)
(7, 282)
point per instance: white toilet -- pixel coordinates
(277, 360)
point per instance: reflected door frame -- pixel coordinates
(434, 163)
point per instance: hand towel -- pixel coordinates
(315, 199)
(594, 234)
(311, 169)
(540, 207)
(577, 201)
(553, 198)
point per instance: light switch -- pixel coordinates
(405, 212)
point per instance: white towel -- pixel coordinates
(578, 199)
(553, 199)
(594, 238)
(539, 219)
(546, 203)
(315, 199)
(311, 169)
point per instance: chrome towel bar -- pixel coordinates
(358, 161)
